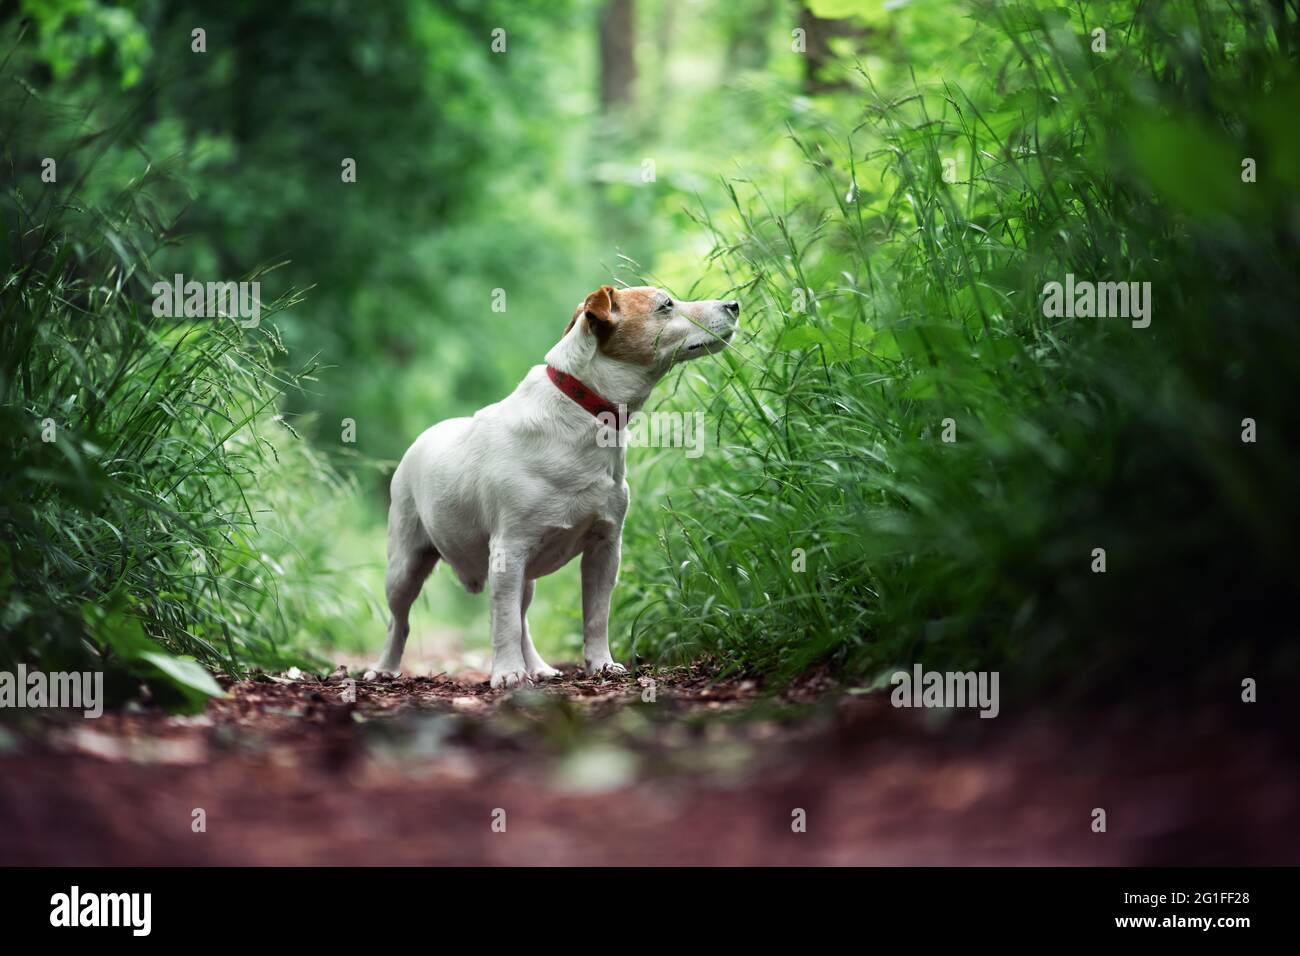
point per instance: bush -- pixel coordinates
(139, 452)
(923, 239)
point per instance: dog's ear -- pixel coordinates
(598, 309)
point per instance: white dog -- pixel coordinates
(520, 489)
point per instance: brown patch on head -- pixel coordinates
(599, 308)
(626, 322)
(636, 334)
(600, 305)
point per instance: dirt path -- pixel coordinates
(684, 770)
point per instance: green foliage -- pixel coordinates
(891, 252)
(925, 296)
(451, 197)
(134, 446)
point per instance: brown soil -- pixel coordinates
(425, 770)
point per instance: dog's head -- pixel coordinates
(647, 327)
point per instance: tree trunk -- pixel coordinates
(617, 54)
(818, 35)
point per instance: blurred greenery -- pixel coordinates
(886, 185)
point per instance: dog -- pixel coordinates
(526, 485)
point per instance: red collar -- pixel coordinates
(587, 397)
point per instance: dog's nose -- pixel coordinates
(733, 307)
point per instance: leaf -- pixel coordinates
(185, 672)
(116, 628)
(840, 339)
(1189, 164)
(926, 342)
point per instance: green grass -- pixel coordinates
(924, 304)
(891, 247)
(155, 511)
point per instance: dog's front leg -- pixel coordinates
(599, 573)
(506, 581)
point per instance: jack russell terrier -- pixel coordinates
(523, 487)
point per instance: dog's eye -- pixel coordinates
(666, 306)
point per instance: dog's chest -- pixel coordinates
(591, 513)
(557, 547)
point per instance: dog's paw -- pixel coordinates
(544, 673)
(509, 679)
(606, 669)
(374, 674)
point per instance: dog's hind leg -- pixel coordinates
(410, 559)
(537, 668)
